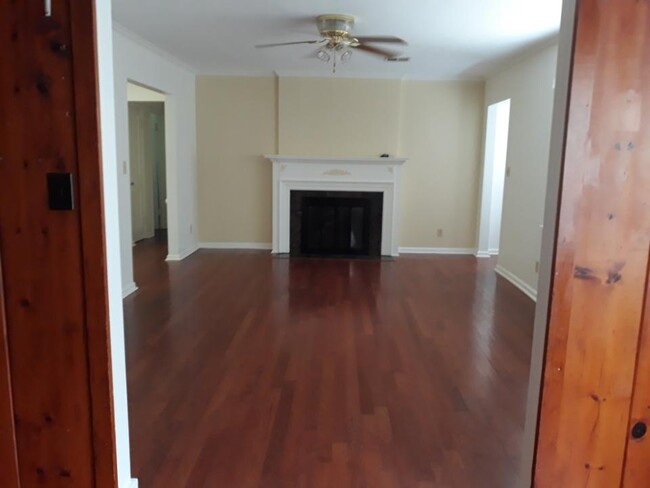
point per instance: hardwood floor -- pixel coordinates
(246, 370)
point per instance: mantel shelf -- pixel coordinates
(335, 160)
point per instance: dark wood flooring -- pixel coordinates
(246, 370)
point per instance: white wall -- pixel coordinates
(530, 86)
(137, 93)
(558, 138)
(137, 61)
(112, 229)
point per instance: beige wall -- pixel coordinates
(529, 85)
(441, 132)
(338, 117)
(137, 93)
(236, 125)
(438, 125)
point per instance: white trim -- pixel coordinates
(126, 32)
(129, 289)
(179, 257)
(528, 290)
(335, 160)
(260, 246)
(308, 173)
(438, 250)
(495, 157)
(364, 75)
(482, 254)
(326, 72)
(134, 483)
(238, 73)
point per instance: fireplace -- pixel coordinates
(335, 223)
(351, 181)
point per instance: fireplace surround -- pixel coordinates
(333, 174)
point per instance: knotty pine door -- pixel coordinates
(596, 386)
(56, 423)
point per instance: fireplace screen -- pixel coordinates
(346, 224)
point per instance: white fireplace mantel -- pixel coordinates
(336, 174)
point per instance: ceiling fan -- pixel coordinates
(337, 43)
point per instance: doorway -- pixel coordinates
(147, 164)
(495, 172)
(586, 277)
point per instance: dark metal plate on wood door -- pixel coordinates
(59, 191)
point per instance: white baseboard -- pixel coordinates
(437, 250)
(128, 289)
(134, 483)
(260, 246)
(528, 290)
(179, 257)
(490, 253)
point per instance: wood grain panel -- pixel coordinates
(602, 251)
(8, 450)
(637, 460)
(89, 189)
(41, 249)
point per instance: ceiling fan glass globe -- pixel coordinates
(345, 56)
(323, 55)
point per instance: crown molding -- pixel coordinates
(238, 73)
(436, 79)
(375, 76)
(348, 76)
(132, 36)
(505, 64)
(339, 75)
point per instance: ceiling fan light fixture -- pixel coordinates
(335, 24)
(337, 42)
(323, 55)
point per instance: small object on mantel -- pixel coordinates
(385, 155)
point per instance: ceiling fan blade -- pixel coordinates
(392, 39)
(261, 46)
(313, 54)
(377, 51)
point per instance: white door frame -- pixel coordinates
(494, 168)
(111, 201)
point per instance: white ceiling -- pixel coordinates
(447, 39)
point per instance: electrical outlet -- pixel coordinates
(536, 266)
(439, 233)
